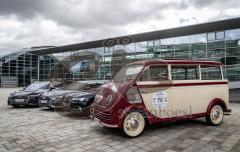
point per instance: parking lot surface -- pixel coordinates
(37, 129)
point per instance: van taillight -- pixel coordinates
(133, 95)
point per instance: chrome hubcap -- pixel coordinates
(132, 124)
(216, 114)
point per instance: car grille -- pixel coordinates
(101, 115)
(33, 99)
(19, 97)
(45, 98)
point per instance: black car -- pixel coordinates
(78, 101)
(30, 95)
(51, 99)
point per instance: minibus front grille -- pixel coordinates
(101, 115)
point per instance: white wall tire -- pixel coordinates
(216, 115)
(133, 124)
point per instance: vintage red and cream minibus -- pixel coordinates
(154, 91)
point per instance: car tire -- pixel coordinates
(134, 124)
(215, 116)
(15, 106)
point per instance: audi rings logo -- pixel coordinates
(125, 40)
(109, 42)
(117, 41)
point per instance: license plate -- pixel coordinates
(43, 101)
(19, 100)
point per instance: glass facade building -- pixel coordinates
(104, 61)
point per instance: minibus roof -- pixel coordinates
(180, 62)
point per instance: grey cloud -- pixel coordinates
(88, 13)
(113, 13)
(83, 20)
(22, 8)
(220, 4)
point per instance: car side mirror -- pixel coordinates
(51, 88)
(87, 88)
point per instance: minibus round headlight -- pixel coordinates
(108, 99)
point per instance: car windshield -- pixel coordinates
(75, 86)
(38, 85)
(128, 73)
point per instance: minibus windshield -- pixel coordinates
(128, 73)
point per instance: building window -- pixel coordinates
(130, 47)
(211, 36)
(216, 36)
(167, 48)
(141, 46)
(232, 34)
(220, 35)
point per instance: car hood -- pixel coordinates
(28, 92)
(57, 93)
(80, 94)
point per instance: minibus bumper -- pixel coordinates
(227, 111)
(103, 123)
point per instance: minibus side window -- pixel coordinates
(211, 73)
(184, 72)
(155, 73)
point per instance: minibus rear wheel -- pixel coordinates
(215, 116)
(134, 124)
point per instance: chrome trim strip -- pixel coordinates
(104, 124)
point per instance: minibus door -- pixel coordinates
(155, 88)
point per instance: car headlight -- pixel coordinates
(59, 97)
(79, 99)
(33, 95)
(52, 98)
(56, 97)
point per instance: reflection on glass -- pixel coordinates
(211, 36)
(182, 47)
(167, 48)
(141, 46)
(182, 40)
(223, 46)
(199, 38)
(150, 43)
(199, 46)
(130, 47)
(220, 35)
(232, 34)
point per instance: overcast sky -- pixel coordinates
(26, 23)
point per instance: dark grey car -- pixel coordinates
(82, 100)
(51, 99)
(29, 95)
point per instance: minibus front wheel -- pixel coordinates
(134, 124)
(215, 116)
